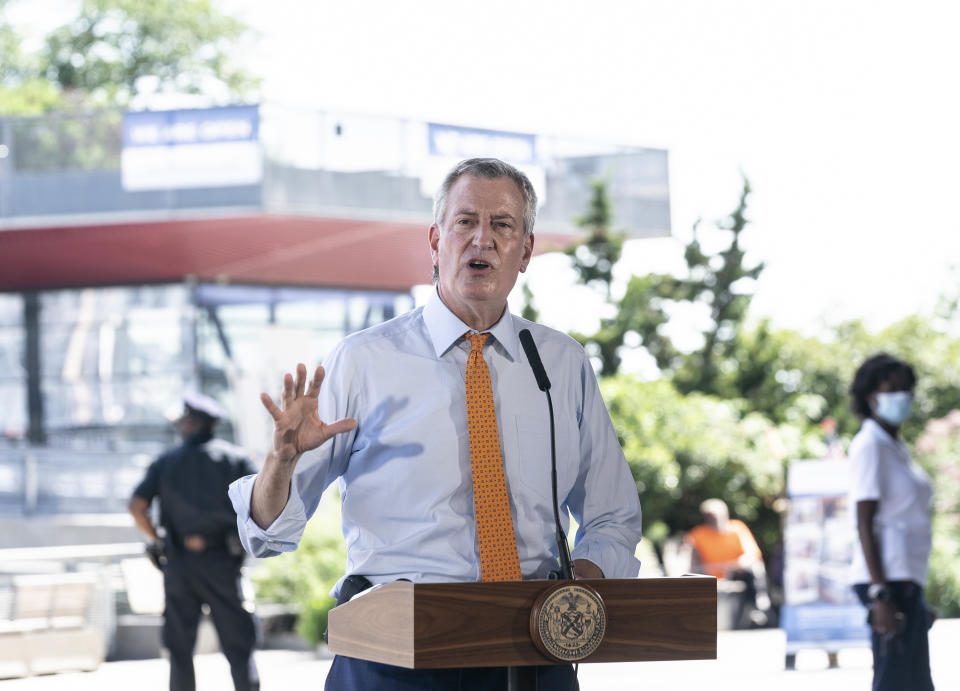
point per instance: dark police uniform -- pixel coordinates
(191, 483)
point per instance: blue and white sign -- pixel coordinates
(177, 149)
(449, 144)
(458, 143)
(820, 609)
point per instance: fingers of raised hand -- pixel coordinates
(271, 407)
(301, 378)
(293, 388)
(289, 394)
(314, 387)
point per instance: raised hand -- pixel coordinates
(297, 425)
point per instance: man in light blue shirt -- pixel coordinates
(400, 446)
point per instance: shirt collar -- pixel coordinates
(874, 429)
(445, 328)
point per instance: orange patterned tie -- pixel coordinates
(498, 546)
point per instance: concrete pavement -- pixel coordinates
(746, 661)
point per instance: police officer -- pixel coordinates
(199, 549)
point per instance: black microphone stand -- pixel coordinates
(563, 549)
(525, 678)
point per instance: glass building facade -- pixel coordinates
(113, 364)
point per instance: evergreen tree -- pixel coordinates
(717, 281)
(595, 256)
(722, 282)
(529, 310)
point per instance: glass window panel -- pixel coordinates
(13, 409)
(154, 339)
(147, 400)
(11, 310)
(326, 313)
(115, 361)
(12, 354)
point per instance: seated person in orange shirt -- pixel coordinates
(725, 548)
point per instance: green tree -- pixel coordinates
(595, 256)
(116, 50)
(937, 451)
(22, 90)
(795, 378)
(529, 310)
(721, 283)
(684, 448)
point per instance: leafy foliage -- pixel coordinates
(595, 256)
(726, 419)
(937, 451)
(683, 449)
(116, 50)
(68, 142)
(718, 283)
(529, 310)
(304, 577)
(794, 378)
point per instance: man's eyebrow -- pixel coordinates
(497, 217)
(466, 212)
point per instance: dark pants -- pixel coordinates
(750, 613)
(191, 580)
(349, 674)
(902, 661)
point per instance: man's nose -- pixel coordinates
(483, 236)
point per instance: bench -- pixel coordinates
(47, 629)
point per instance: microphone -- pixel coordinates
(533, 357)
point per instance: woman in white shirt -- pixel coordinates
(893, 499)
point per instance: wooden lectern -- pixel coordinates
(431, 625)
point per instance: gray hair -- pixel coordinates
(489, 168)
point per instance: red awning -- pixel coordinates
(261, 249)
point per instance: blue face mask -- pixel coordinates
(894, 406)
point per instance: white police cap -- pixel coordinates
(203, 404)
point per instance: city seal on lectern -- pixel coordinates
(568, 621)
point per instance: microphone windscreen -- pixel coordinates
(533, 357)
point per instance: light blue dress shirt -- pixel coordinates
(404, 471)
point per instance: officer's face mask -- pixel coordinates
(894, 407)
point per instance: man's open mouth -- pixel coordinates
(479, 264)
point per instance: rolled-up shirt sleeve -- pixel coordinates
(604, 500)
(283, 535)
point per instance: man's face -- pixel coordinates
(189, 425)
(480, 247)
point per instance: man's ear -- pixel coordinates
(527, 252)
(433, 237)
